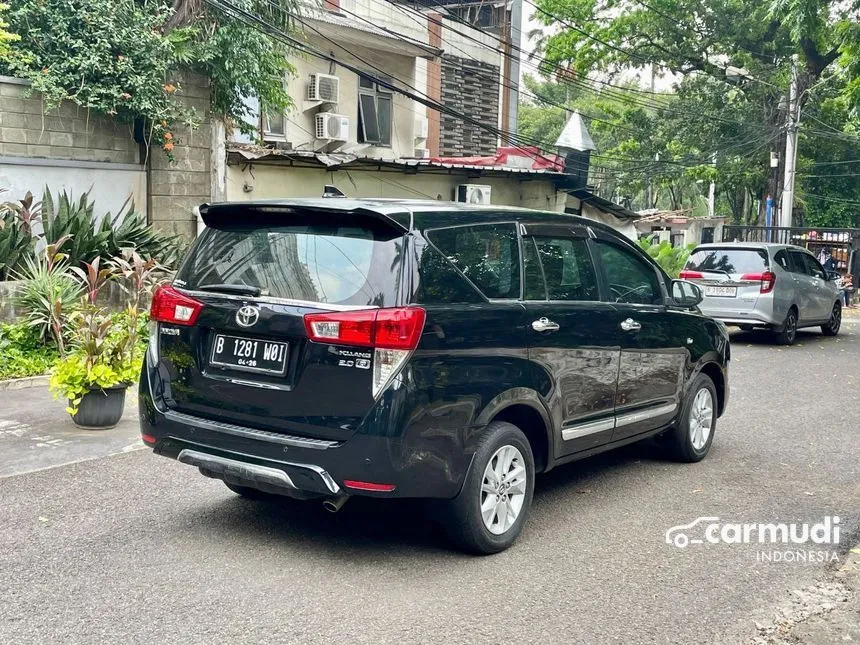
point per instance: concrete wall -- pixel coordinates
(177, 187)
(77, 150)
(68, 148)
(269, 182)
(67, 132)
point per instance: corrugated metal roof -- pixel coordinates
(334, 159)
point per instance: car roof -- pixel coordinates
(422, 213)
(752, 246)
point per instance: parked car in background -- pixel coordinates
(776, 287)
(326, 348)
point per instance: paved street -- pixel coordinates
(133, 548)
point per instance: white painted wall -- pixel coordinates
(109, 188)
(270, 182)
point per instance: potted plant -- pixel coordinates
(107, 348)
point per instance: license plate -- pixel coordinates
(721, 292)
(249, 354)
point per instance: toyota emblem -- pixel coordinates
(247, 316)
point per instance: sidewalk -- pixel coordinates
(36, 432)
(825, 614)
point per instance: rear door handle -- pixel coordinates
(630, 325)
(544, 324)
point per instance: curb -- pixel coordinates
(24, 383)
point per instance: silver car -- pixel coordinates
(771, 286)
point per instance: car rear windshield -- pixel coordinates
(728, 260)
(336, 264)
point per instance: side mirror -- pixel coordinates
(686, 294)
(832, 275)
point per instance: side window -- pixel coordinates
(630, 278)
(796, 263)
(813, 267)
(486, 254)
(781, 258)
(567, 268)
(535, 287)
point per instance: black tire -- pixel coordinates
(251, 493)
(462, 517)
(835, 322)
(678, 440)
(786, 334)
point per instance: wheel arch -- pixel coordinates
(523, 408)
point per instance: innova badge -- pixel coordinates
(247, 316)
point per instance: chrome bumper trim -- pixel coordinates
(253, 473)
(251, 433)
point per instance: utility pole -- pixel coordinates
(712, 191)
(650, 203)
(791, 123)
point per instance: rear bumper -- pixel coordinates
(757, 321)
(297, 466)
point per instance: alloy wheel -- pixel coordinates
(503, 489)
(836, 318)
(701, 418)
(791, 326)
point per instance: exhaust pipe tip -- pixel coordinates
(334, 504)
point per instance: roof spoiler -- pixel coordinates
(227, 215)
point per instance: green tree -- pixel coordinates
(730, 64)
(122, 58)
(6, 37)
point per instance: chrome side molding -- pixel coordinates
(586, 428)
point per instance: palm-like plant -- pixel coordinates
(50, 294)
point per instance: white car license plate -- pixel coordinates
(721, 292)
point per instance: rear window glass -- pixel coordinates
(328, 264)
(728, 260)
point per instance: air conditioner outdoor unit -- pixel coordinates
(473, 194)
(422, 153)
(332, 127)
(422, 128)
(323, 87)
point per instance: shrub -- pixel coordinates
(103, 236)
(670, 258)
(16, 239)
(22, 352)
(108, 348)
(49, 295)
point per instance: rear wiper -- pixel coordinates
(240, 289)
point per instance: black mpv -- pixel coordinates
(334, 347)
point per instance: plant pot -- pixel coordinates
(101, 409)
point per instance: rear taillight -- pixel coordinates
(398, 328)
(690, 275)
(766, 279)
(393, 334)
(171, 306)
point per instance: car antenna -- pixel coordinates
(332, 191)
